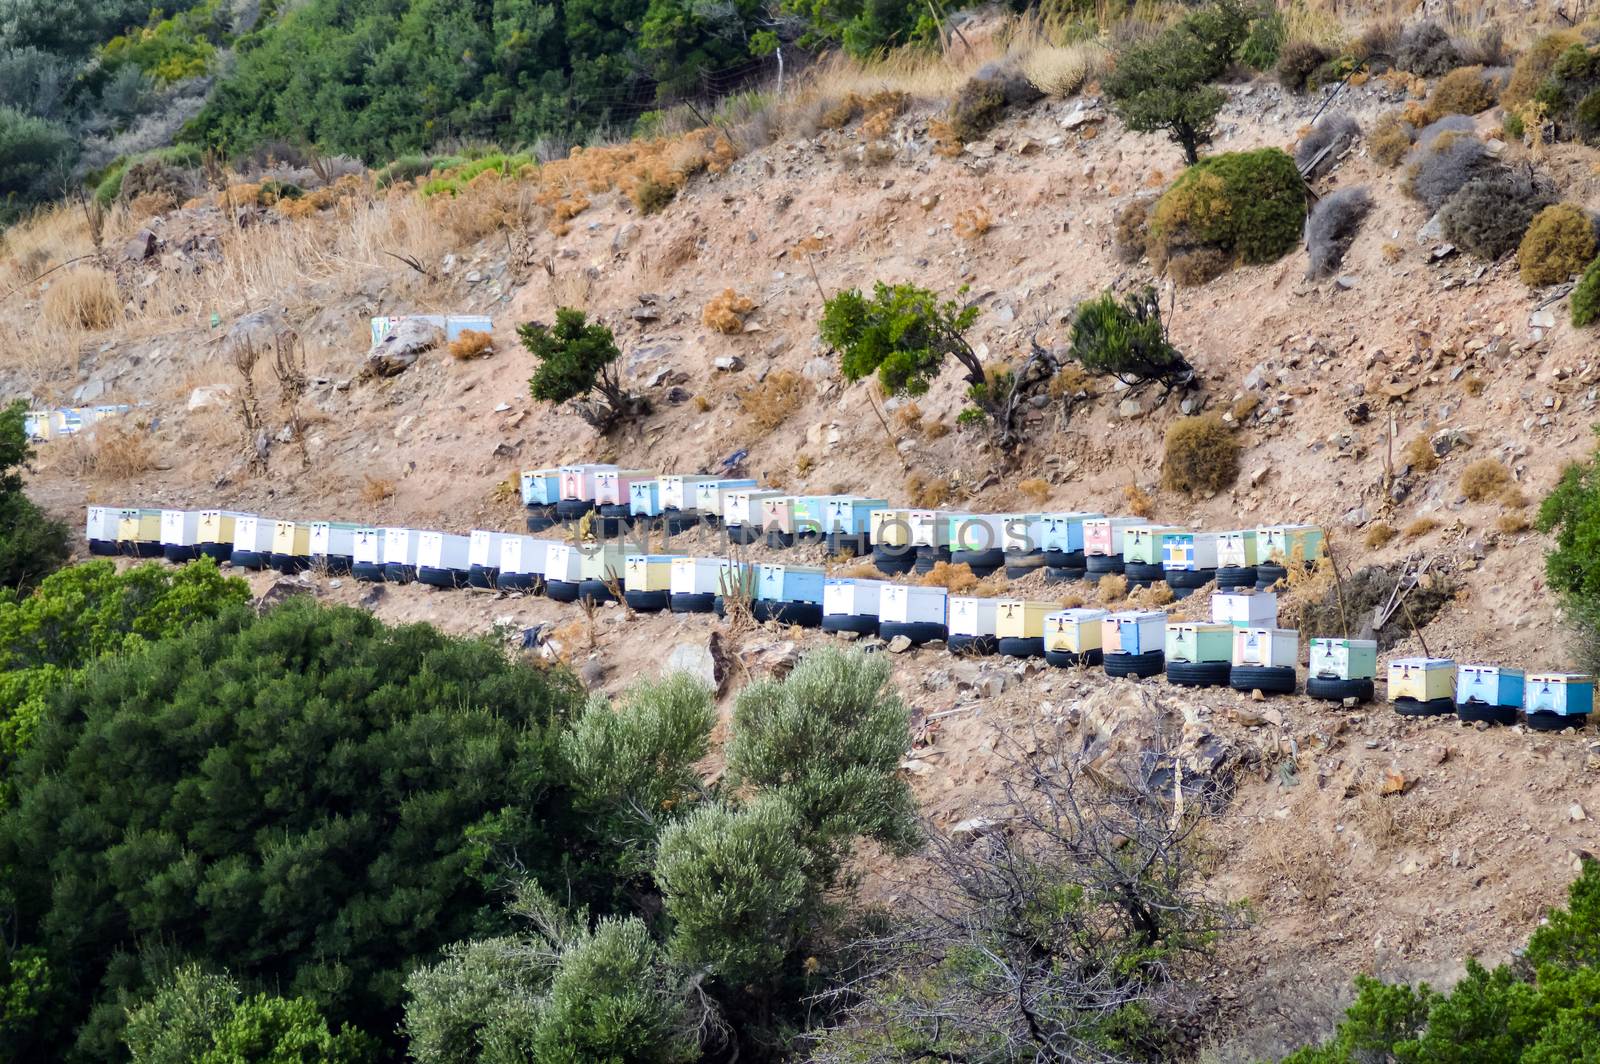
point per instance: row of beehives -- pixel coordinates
(452, 325)
(68, 421)
(1243, 631)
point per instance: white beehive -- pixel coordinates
(1245, 608)
(970, 616)
(1268, 648)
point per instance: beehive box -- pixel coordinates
(1103, 536)
(1022, 533)
(139, 527)
(1147, 544)
(180, 528)
(522, 555)
(790, 583)
(443, 551)
(743, 507)
(1236, 548)
(1133, 632)
(912, 604)
(1492, 685)
(1245, 608)
(333, 539)
(648, 572)
(711, 496)
(611, 485)
(1344, 659)
(366, 546)
(971, 616)
(581, 481)
(400, 548)
(975, 532)
(644, 498)
(738, 579)
(1198, 641)
(1423, 679)
(291, 539)
(676, 492)
(1568, 694)
(100, 529)
(931, 528)
(1064, 531)
(1286, 543)
(777, 514)
(1021, 618)
(600, 561)
(1074, 631)
(696, 576)
(483, 549)
(563, 562)
(1191, 552)
(252, 540)
(849, 597)
(1267, 648)
(890, 528)
(541, 487)
(217, 527)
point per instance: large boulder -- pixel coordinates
(404, 344)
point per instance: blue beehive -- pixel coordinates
(849, 514)
(789, 583)
(541, 487)
(1566, 694)
(1062, 532)
(644, 498)
(1492, 685)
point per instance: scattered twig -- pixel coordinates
(411, 260)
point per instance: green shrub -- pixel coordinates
(1126, 340)
(1533, 66)
(1513, 127)
(1463, 91)
(1164, 85)
(109, 187)
(578, 359)
(976, 109)
(652, 196)
(1264, 44)
(36, 157)
(32, 545)
(1573, 80)
(306, 797)
(405, 168)
(1251, 206)
(1425, 48)
(1200, 456)
(1488, 216)
(1298, 61)
(1559, 243)
(1586, 296)
(903, 334)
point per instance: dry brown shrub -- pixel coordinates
(1485, 479)
(1474, 384)
(1035, 488)
(1390, 138)
(957, 579)
(1113, 587)
(1244, 407)
(1418, 454)
(973, 222)
(1138, 501)
(935, 430)
(804, 464)
(1463, 91)
(769, 404)
(1393, 253)
(83, 298)
(702, 404)
(471, 344)
(1511, 524)
(1072, 599)
(376, 489)
(1421, 527)
(1131, 229)
(1201, 455)
(1154, 597)
(927, 493)
(726, 312)
(908, 418)
(110, 451)
(862, 569)
(1378, 536)
(150, 204)
(1070, 382)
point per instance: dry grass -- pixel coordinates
(471, 344)
(702, 404)
(726, 312)
(1154, 597)
(376, 489)
(973, 222)
(1138, 501)
(1069, 382)
(804, 464)
(1474, 384)
(935, 430)
(1418, 454)
(1486, 479)
(956, 579)
(927, 493)
(1512, 524)
(1072, 598)
(1378, 536)
(770, 403)
(1420, 527)
(109, 451)
(1063, 70)
(1112, 588)
(908, 418)
(1036, 489)
(1244, 407)
(1201, 456)
(82, 298)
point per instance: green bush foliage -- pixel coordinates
(1488, 216)
(1559, 242)
(311, 799)
(1126, 340)
(1463, 91)
(1298, 62)
(1250, 206)
(1542, 1010)
(1573, 79)
(578, 359)
(902, 333)
(1263, 45)
(36, 158)
(1533, 67)
(32, 545)
(1586, 296)
(1164, 84)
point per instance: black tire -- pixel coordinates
(179, 555)
(859, 623)
(973, 645)
(685, 602)
(1268, 574)
(1018, 647)
(805, 614)
(607, 527)
(924, 564)
(779, 540)
(1234, 576)
(396, 573)
(846, 544)
(146, 549)
(1066, 659)
(711, 520)
(1476, 711)
(541, 524)
(1542, 721)
(1143, 573)
(1064, 559)
(616, 509)
(647, 601)
(1190, 579)
(597, 590)
(1268, 679)
(893, 565)
(678, 522)
(572, 509)
(938, 554)
(450, 578)
(334, 564)
(743, 535)
(1139, 665)
(1338, 690)
(1098, 565)
(366, 572)
(1433, 707)
(981, 562)
(289, 564)
(107, 548)
(1198, 673)
(217, 552)
(256, 559)
(918, 632)
(561, 590)
(520, 582)
(483, 576)
(541, 509)
(1054, 574)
